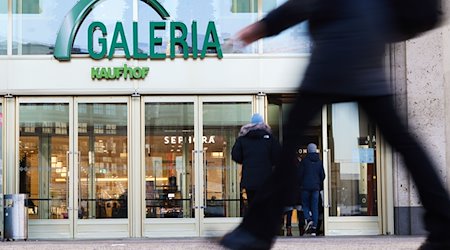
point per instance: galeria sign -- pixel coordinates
(120, 41)
(183, 40)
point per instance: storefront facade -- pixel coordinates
(103, 155)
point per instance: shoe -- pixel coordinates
(429, 245)
(301, 230)
(288, 231)
(241, 239)
(308, 225)
(312, 231)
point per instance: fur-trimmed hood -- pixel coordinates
(246, 129)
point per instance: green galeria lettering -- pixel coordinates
(178, 32)
(194, 40)
(181, 40)
(115, 73)
(214, 43)
(154, 41)
(136, 53)
(118, 31)
(102, 40)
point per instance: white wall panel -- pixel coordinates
(43, 75)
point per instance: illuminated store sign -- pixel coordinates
(179, 34)
(180, 139)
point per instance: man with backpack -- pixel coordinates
(346, 64)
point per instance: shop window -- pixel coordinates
(27, 7)
(245, 6)
(3, 26)
(35, 25)
(251, 6)
(293, 40)
(108, 12)
(3, 7)
(43, 163)
(228, 18)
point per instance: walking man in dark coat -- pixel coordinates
(346, 64)
(311, 175)
(257, 150)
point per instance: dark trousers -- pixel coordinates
(262, 219)
(310, 201)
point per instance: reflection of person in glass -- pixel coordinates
(257, 150)
(346, 64)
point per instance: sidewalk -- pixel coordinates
(309, 243)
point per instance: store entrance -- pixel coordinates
(278, 108)
(117, 167)
(191, 183)
(347, 141)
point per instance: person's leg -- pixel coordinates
(433, 194)
(289, 222)
(301, 220)
(306, 201)
(315, 208)
(273, 196)
(289, 218)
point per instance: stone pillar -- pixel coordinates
(418, 68)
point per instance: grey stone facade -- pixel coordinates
(421, 69)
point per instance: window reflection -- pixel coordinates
(353, 170)
(3, 26)
(169, 148)
(292, 40)
(103, 155)
(36, 23)
(109, 12)
(228, 16)
(43, 159)
(222, 175)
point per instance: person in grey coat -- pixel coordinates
(257, 150)
(346, 64)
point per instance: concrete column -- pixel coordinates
(419, 68)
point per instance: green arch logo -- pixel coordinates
(76, 16)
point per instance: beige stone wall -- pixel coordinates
(421, 68)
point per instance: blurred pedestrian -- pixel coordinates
(346, 64)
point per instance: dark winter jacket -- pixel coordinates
(311, 172)
(258, 151)
(349, 38)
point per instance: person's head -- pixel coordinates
(312, 148)
(256, 118)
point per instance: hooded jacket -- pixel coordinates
(311, 173)
(258, 151)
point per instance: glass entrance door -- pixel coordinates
(73, 164)
(191, 183)
(352, 172)
(222, 204)
(45, 163)
(102, 167)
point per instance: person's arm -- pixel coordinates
(287, 15)
(322, 177)
(236, 151)
(279, 19)
(276, 151)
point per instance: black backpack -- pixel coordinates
(413, 17)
